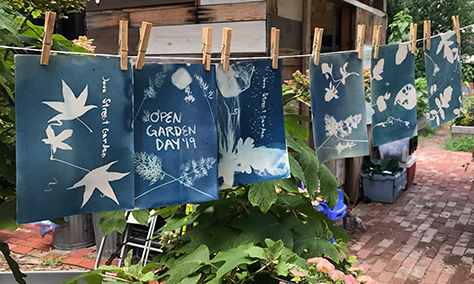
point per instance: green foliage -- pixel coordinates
(112, 220)
(400, 27)
(461, 144)
(298, 86)
(467, 117)
(467, 72)
(51, 260)
(39, 7)
(422, 105)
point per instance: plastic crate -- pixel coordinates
(411, 170)
(397, 150)
(384, 188)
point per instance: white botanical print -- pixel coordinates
(450, 54)
(458, 111)
(181, 79)
(436, 66)
(340, 130)
(402, 52)
(441, 102)
(73, 108)
(406, 97)
(381, 104)
(150, 168)
(390, 121)
(378, 70)
(151, 91)
(331, 91)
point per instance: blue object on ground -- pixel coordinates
(338, 212)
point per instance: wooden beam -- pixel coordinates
(272, 7)
(346, 31)
(180, 15)
(306, 31)
(124, 4)
(360, 5)
(106, 39)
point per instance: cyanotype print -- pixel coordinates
(74, 136)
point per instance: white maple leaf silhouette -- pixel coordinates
(99, 178)
(57, 141)
(378, 70)
(402, 52)
(72, 107)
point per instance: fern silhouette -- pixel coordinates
(193, 170)
(148, 167)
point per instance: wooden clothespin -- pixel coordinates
(318, 40)
(142, 46)
(206, 47)
(47, 37)
(376, 40)
(225, 53)
(360, 40)
(123, 44)
(413, 28)
(275, 46)
(427, 34)
(457, 28)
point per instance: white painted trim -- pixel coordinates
(365, 7)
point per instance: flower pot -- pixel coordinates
(459, 131)
(79, 233)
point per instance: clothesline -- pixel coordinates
(182, 58)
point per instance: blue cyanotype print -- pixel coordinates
(393, 94)
(175, 135)
(252, 145)
(443, 76)
(338, 106)
(74, 136)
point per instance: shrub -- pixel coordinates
(461, 144)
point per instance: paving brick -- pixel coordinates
(385, 277)
(72, 260)
(89, 264)
(378, 267)
(21, 249)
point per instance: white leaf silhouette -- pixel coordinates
(57, 141)
(458, 111)
(441, 112)
(99, 178)
(446, 97)
(378, 70)
(446, 43)
(438, 102)
(433, 89)
(406, 97)
(326, 69)
(381, 104)
(331, 93)
(72, 107)
(401, 53)
(346, 74)
(437, 119)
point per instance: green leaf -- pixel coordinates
(288, 184)
(294, 128)
(263, 195)
(274, 249)
(296, 169)
(7, 20)
(166, 211)
(147, 277)
(256, 227)
(309, 163)
(93, 278)
(231, 258)
(12, 263)
(112, 220)
(59, 221)
(192, 279)
(8, 215)
(329, 185)
(187, 265)
(128, 260)
(256, 252)
(352, 259)
(141, 216)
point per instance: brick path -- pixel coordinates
(426, 235)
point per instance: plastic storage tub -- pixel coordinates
(411, 170)
(384, 188)
(397, 150)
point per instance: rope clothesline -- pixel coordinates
(182, 58)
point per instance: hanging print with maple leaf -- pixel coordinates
(74, 137)
(443, 77)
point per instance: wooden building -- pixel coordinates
(177, 30)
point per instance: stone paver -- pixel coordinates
(428, 230)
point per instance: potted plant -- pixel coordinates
(463, 124)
